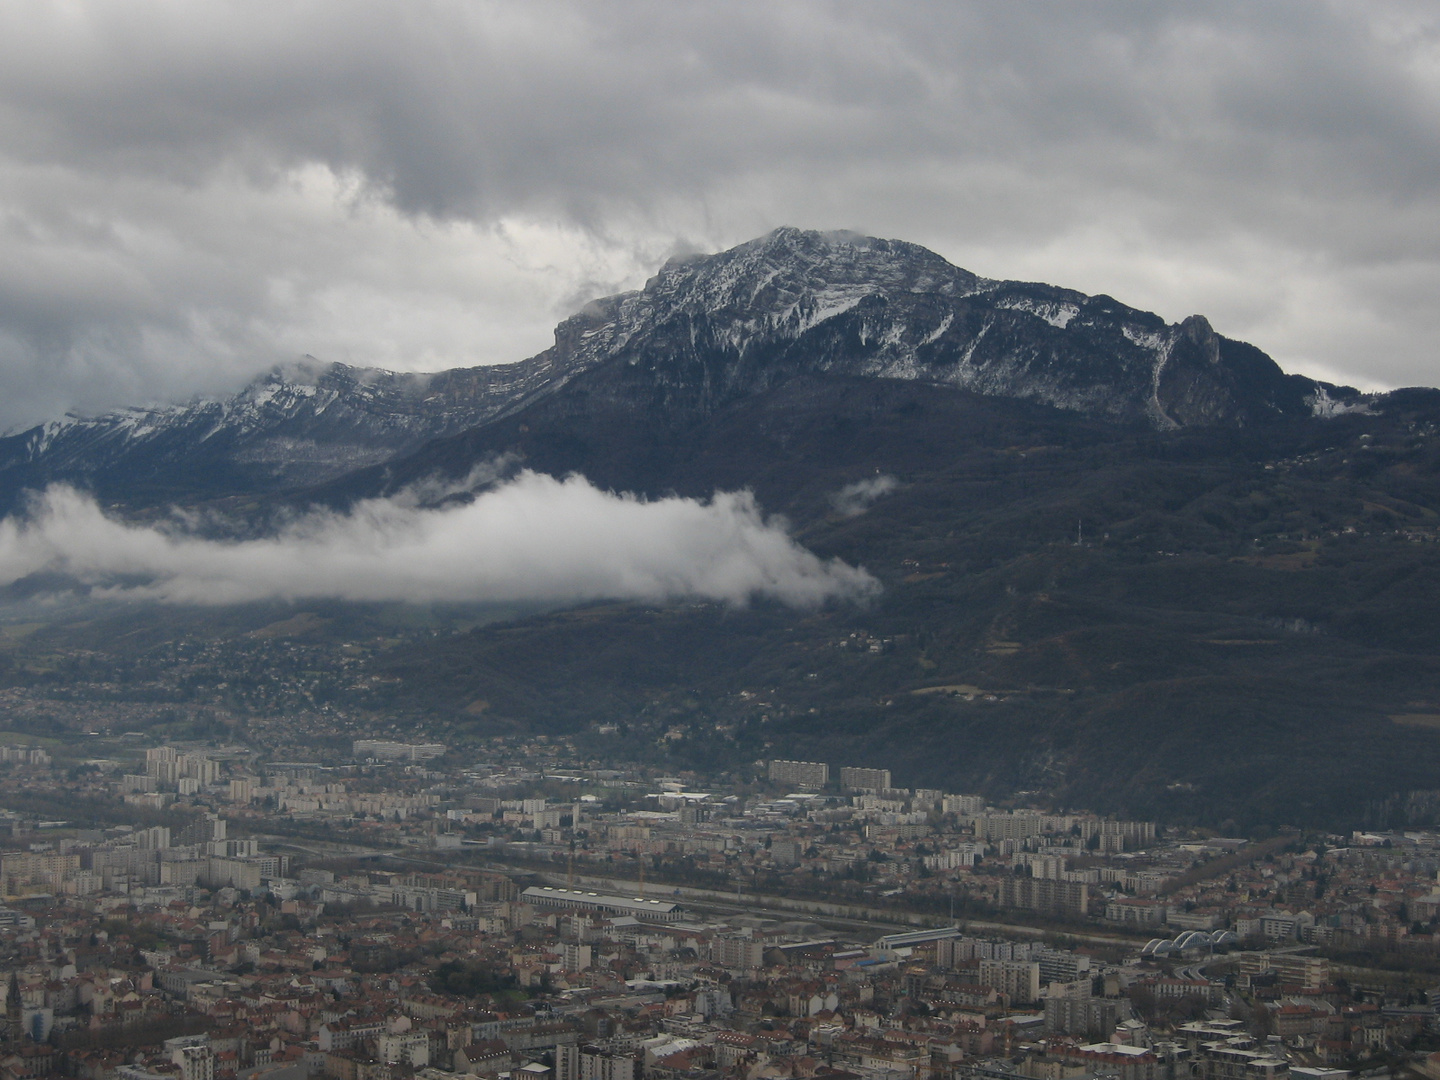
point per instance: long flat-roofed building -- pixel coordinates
(638, 907)
(385, 750)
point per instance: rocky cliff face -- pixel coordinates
(710, 329)
(296, 426)
(704, 332)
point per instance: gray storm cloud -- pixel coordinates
(190, 193)
(533, 538)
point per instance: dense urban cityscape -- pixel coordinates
(198, 911)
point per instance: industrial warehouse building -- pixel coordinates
(579, 900)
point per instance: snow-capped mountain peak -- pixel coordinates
(704, 331)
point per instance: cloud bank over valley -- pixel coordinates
(532, 538)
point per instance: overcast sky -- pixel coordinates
(191, 192)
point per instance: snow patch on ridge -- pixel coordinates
(817, 307)
(939, 331)
(1056, 313)
(1146, 339)
(1157, 410)
(1325, 407)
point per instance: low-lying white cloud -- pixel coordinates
(532, 538)
(854, 499)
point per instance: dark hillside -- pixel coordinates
(1127, 564)
(1213, 625)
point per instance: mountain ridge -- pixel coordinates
(702, 332)
(1218, 612)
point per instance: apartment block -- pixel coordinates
(1018, 826)
(810, 775)
(1116, 836)
(857, 779)
(1018, 980)
(1058, 899)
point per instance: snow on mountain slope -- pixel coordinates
(706, 330)
(709, 328)
(297, 425)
